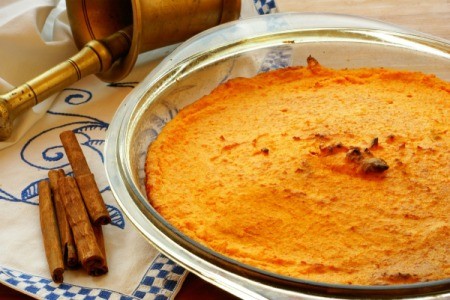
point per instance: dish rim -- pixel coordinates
(153, 226)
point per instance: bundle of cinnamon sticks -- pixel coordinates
(72, 212)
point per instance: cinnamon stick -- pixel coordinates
(74, 153)
(65, 232)
(50, 232)
(92, 197)
(89, 252)
(99, 269)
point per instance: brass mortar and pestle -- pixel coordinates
(110, 35)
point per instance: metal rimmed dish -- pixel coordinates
(245, 48)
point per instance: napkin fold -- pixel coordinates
(35, 36)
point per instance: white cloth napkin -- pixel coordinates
(35, 36)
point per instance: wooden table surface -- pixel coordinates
(431, 16)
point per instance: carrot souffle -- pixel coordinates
(337, 176)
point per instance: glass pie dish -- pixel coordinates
(243, 49)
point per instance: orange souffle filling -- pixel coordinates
(337, 176)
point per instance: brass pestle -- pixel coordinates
(97, 56)
(110, 36)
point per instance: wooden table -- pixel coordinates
(431, 16)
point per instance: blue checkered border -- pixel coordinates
(160, 282)
(44, 288)
(279, 57)
(162, 279)
(264, 7)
